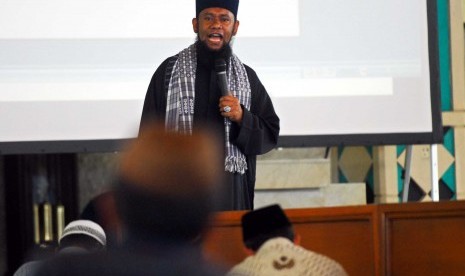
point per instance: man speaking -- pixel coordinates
(207, 84)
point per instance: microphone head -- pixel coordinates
(220, 65)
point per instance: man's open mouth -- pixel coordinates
(215, 37)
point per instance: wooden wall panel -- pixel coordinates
(345, 235)
(428, 241)
(224, 242)
(348, 242)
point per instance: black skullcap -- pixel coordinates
(263, 221)
(231, 5)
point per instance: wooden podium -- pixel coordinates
(390, 239)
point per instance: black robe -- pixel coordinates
(257, 134)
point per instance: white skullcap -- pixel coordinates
(85, 227)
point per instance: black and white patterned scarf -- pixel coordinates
(181, 99)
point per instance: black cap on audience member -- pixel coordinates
(231, 5)
(263, 221)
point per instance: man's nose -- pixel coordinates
(216, 23)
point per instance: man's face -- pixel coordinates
(215, 27)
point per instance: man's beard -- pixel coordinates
(207, 56)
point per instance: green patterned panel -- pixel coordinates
(444, 54)
(449, 176)
(371, 179)
(342, 177)
(400, 179)
(400, 149)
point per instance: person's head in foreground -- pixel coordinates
(164, 196)
(167, 185)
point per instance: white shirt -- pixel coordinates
(279, 256)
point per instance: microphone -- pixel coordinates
(220, 68)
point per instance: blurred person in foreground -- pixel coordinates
(102, 210)
(78, 237)
(184, 92)
(165, 196)
(273, 248)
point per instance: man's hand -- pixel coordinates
(235, 109)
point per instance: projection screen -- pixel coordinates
(73, 74)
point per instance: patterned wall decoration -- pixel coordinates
(355, 164)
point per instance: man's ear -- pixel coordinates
(297, 239)
(248, 251)
(195, 25)
(236, 27)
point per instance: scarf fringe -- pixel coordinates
(235, 164)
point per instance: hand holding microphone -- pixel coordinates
(229, 105)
